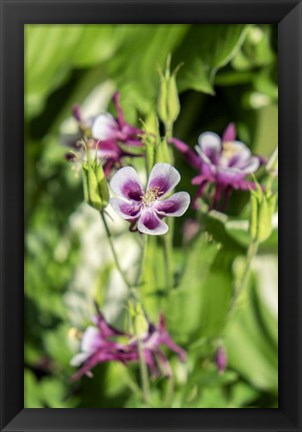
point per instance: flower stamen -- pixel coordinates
(150, 196)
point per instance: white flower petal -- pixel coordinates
(164, 177)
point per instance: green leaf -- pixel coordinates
(252, 349)
(205, 50)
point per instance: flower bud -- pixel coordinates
(263, 205)
(221, 359)
(168, 101)
(96, 191)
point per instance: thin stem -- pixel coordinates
(168, 245)
(239, 287)
(142, 364)
(168, 238)
(116, 260)
(143, 368)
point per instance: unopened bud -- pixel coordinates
(221, 359)
(96, 191)
(263, 205)
(168, 101)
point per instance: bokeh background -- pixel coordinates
(229, 74)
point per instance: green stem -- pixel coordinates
(116, 260)
(168, 256)
(143, 368)
(239, 287)
(142, 364)
(168, 238)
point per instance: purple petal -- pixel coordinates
(228, 175)
(106, 329)
(175, 205)
(198, 179)
(221, 359)
(150, 223)
(190, 156)
(252, 165)
(76, 111)
(234, 154)
(164, 177)
(120, 114)
(91, 340)
(164, 363)
(104, 127)
(210, 146)
(230, 133)
(167, 340)
(126, 183)
(125, 209)
(199, 193)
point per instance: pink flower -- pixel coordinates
(98, 345)
(147, 209)
(105, 134)
(224, 161)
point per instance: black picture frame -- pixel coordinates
(14, 14)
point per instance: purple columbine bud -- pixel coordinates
(221, 359)
(76, 111)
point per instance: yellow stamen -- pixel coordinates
(230, 149)
(150, 196)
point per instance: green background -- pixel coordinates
(229, 74)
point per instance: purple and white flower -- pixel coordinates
(98, 345)
(148, 208)
(224, 161)
(106, 134)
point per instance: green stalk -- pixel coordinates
(143, 367)
(168, 238)
(251, 253)
(168, 255)
(116, 260)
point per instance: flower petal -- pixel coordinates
(91, 340)
(210, 146)
(150, 223)
(175, 205)
(125, 209)
(104, 127)
(251, 166)
(120, 114)
(79, 359)
(229, 133)
(191, 157)
(234, 154)
(126, 183)
(164, 177)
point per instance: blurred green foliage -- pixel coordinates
(229, 74)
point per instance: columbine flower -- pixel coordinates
(147, 209)
(223, 161)
(98, 346)
(106, 134)
(152, 341)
